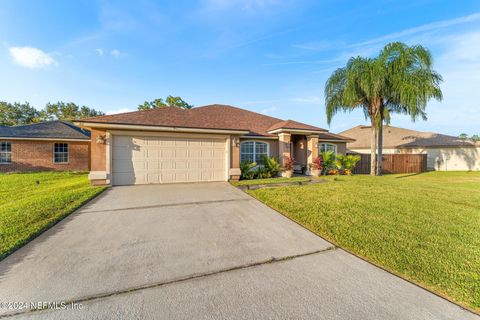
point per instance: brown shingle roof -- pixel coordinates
(394, 137)
(333, 136)
(208, 117)
(291, 124)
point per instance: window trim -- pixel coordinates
(7, 152)
(254, 148)
(68, 153)
(327, 144)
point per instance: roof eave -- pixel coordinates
(103, 125)
(294, 131)
(46, 139)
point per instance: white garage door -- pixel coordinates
(143, 160)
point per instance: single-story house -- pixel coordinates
(52, 145)
(168, 145)
(444, 153)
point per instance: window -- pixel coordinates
(253, 151)
(324, 147)
(60, 153)
(5, 152)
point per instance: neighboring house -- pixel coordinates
(53, 145)
(444, 153)
(168, 145)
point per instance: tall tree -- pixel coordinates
(12, 114)
(410, 84)
(170, 101)
(68, 111)
(356, 86)
(399, 80)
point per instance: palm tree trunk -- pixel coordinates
(380, 149)
(373, 149)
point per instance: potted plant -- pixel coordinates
(287, 167)
(316, 166)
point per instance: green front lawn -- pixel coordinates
(423, 227)
(32, 202)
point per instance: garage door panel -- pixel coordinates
(142, 160)
(181, 165)
(194, 153)
(181, 153)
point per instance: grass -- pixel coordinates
(268, 181)
(28, 208)
(423, 227)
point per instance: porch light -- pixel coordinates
(235, 142)
(101, 140)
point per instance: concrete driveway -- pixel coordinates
(199, 251)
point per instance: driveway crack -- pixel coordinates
(176, 204)
(177, 280)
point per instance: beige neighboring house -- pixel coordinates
(445, 153)
(170, 145)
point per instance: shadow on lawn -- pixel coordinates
(410, 175)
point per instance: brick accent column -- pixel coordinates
(284, 141)
(234, 170)
(312, 150)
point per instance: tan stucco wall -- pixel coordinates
(98, 151)
(299, 145)
(341, 147)
(450, 159)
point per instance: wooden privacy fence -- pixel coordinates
(394, 163)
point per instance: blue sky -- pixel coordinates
(268, 56)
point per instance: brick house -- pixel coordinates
(53, 145)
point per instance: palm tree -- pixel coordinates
(399, 80)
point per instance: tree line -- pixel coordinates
(17, 113)
(474, 137)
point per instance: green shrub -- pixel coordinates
(246, 169)
(271, 165)
(347, 163)
(262, 173)
(328, 161)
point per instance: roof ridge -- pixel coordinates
(237, 108)
(128, 112)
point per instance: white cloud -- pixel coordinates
(120, 110)
(310, 99)
(31, 57)
(268, 110)
(99, 51)
(313, 46)
(421, 29)
(246, 5)
(115, 53)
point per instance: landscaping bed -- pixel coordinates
(423, 227)
(32, 202)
